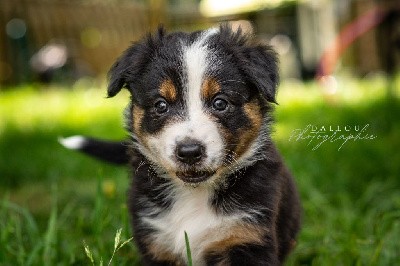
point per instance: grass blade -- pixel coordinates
(117, 244)
(117, 239)
(188, 251)
(88, 252)
(50, 239)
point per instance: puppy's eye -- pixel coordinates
(161, 106)
(220, 104)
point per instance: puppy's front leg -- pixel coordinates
(251, 254)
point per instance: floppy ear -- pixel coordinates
(117, 75)
(129, 66)
(261, 68)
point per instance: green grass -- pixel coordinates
(53, 200)
(188, 250)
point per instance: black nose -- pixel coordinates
(189, 152)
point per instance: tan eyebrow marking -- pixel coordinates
(168, 90)
(209, 88)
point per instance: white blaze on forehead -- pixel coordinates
(197, 60)
(197, 125)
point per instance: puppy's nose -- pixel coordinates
(189, 152)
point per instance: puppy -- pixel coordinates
(200, 150)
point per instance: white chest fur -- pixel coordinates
(191, 212)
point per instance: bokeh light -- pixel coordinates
(16, 28)
(91, 37)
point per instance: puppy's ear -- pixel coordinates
(261, 68)
(132, 62)
(127, 67)
(117, 75)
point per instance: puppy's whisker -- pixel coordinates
(142, 162)
(232, 80)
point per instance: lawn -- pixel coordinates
(52, 200)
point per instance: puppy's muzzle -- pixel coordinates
(189, 152)
(191, 155)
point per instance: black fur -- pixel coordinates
(247, 73)
(266, 186)
(112, 152)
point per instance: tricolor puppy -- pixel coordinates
(200, 150)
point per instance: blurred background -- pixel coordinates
(339, 64)
(63, 41)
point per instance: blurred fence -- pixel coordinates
(85, 37)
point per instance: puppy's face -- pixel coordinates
(198, 101)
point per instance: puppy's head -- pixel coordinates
(199, 100)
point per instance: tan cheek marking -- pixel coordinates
(240, 235)
(209, 88)
(138, 114)
(168, 90)
(248, 135)
(228, 137)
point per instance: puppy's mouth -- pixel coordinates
(194, 176)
